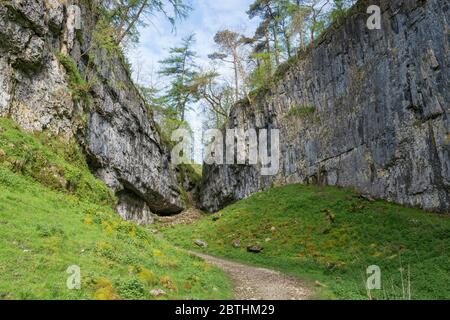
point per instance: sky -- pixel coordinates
(206, 18)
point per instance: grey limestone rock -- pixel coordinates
(120, 138)
(380, 104)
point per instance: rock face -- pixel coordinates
(366, 109)
(33, 86)
(121, 140)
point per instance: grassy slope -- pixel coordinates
(331, 235)
(54, 214)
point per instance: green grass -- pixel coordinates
(301, 111)
(56, 164)
(47, 226)
(78, 85)
(332, 236)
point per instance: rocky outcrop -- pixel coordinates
(366, 109)
(33, 84)
(111, 121)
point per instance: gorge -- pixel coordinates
(366, 109)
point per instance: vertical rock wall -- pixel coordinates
(121, 140)
(366, 109)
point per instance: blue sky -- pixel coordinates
(206, 18)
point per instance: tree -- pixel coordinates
(230, 43)
(218, 97)
(262, 72)
(127, 15)
(267, 11)
(317, 12)
(339, 9)
(298, 21)
(180, 68)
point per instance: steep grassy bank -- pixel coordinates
(332, 236)
(55, 214)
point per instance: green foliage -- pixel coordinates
(332, 235)
(301, 111)
(273, 27)
(191, 172)
(131, 289)
(285, 67)
(262, 75)
(299, 14)
(44, 230)
(127, 16)
(180, 68)
(168, 126)
(103, 37)
(217, 98)
(104, 44)
(57, 164)
(339, 10)
(78, 85)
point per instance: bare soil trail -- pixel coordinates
(253, 283)
(248, 282)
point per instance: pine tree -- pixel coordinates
(127, 15)
(181, 69)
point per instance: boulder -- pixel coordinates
(201, 243)
(254, 249)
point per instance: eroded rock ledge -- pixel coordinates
(380, 119)
(123, 145)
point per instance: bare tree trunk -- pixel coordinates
(275, 44)
(302, 39)
(133, 22)
(236, 75)
(288, 43)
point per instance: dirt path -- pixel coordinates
(252, 283)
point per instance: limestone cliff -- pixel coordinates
(367, 109)
(39, 41)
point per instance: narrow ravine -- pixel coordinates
(253, 283)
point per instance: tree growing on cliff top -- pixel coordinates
(230, 44)
(270, 14)
(217, 97)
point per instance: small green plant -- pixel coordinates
(284, 68)
(301, 111)
(131, 289)
(78, 85)
(49, 231)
